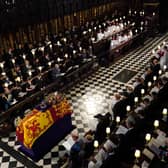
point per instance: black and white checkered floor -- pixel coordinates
(89, 97)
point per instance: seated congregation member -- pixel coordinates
(155, 67)
(103, 123)
(110, 146)
(128, 141)
(30, 88)
(163, 89)
(113, 101)
(55, 73)
(119, 108)
(138, 85)
(164, 58)
(147, 77)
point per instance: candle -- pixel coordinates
(135, 99)
(123, 17)
(1, 65)
(165, 67)
(40, 68)
(58, 59)
(108, 130)
(164, 42)
(84, 32)
(80, 48)
(74, 51)
(118, 119)
(141, 28)
(65, 40)
(49, 64)
(58, 43)
(24, 56)
(137, 153)
(96, 144)
(30, 73)
(50, 46)
(129, 11)
(95, 28)
(90, 30)
(154, 78)
(3, 73)
(153, 14)
(142, 91)
(66, 56)
(128, 108)
(135, 12)
(158, 47)
(100, 26)
(164, 112)
(13, 61)
(149, 84)
(136, 30)
(6, 85)
(156, 123)
(160, 72)
(148, 137)
(42, 48)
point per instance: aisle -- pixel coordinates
(88, 98)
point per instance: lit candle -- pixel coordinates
(142, 23)
(154, 78)
(84, 32)
(165, 67)
(148, 137)
(123, 17)
(116, 20)
(120, 18)
(160, 72)
(143, 13)
(158, 47)
(13, 61)
(65, 40)
(96, 144)
(3, 73)
(136, 99)
(117, 119)
(1, 65)
(93, 39)
(128, 108)
(153, 14)
(141, 28)
(58, 59)
(136, 31)
(135, 12)
(33, 52)
(129, 11)
(66, 56)
(95, 28)
(30, 73)
(42, 48)
(108, 130)
(74, 51)
(50, 46)
(128, 22)
(100, 26)
(142, 91)
(156, 123)
(6, 85)
(58, 43)
(137, 153)
(80, 48)
(149, 84)
(90, 30)
(164, 112)
(24, 56)
(49, 64)
(40, 68)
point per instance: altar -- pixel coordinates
(47, 124)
